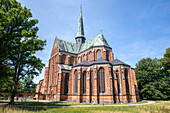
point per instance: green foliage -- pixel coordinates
(27, 85)
(165, 63)
(6, 85)
(19, 42)
(1, 98)
(153, 77)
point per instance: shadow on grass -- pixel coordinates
(42, 103)
(29, 106)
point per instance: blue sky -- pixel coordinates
(135, 29)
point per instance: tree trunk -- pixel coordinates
(14, 89)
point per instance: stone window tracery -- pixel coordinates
(66, 83)
(90, 56)
(126, 81)
(63, 59)
(101, 80)
(76, 82)
(72, 61)
(118, 81)
(107, 55)
(98, 54)
(84, 82)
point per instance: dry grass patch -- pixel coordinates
(159, 107)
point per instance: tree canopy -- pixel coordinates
(19, 42)
(153, 77)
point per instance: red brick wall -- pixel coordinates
(54, 79)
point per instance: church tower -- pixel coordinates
(80, 39)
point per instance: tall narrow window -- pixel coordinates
(84, 57)
(90, 56)
(92, 83)
(98, 53)
(84, 82)
(101, 80)
(107, 55)
(126, 80)
(72, 61)
(76, 82)
(79, 59)
(118, 81)
(87, 57)
(66, 83)
(63, 59)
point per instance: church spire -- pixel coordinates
(80, 32)
(80, 39)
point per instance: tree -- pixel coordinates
(165, 63)
(153, 77)
(19, 42)
(6, 84)
(27, 84)
(165, 72)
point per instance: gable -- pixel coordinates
(55, 48)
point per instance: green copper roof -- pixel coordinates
(98, 40)
(66, 46)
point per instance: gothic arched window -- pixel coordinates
(63, 59)
(90, 56)
(72, 61)
(101, 80)
(126, 81)
(79, 59)
(66, 83)
(107, 55)
(98, 54)
(84, 82)
(76, 82)
(84, 57)
(118, 81)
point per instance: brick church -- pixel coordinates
(86, 72)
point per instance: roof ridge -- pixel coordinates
(92, 38)
(119, 62)
(84, 62)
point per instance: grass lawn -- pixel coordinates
(158, 107)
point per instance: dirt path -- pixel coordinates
(58, 106)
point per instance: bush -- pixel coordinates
(1, 97)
